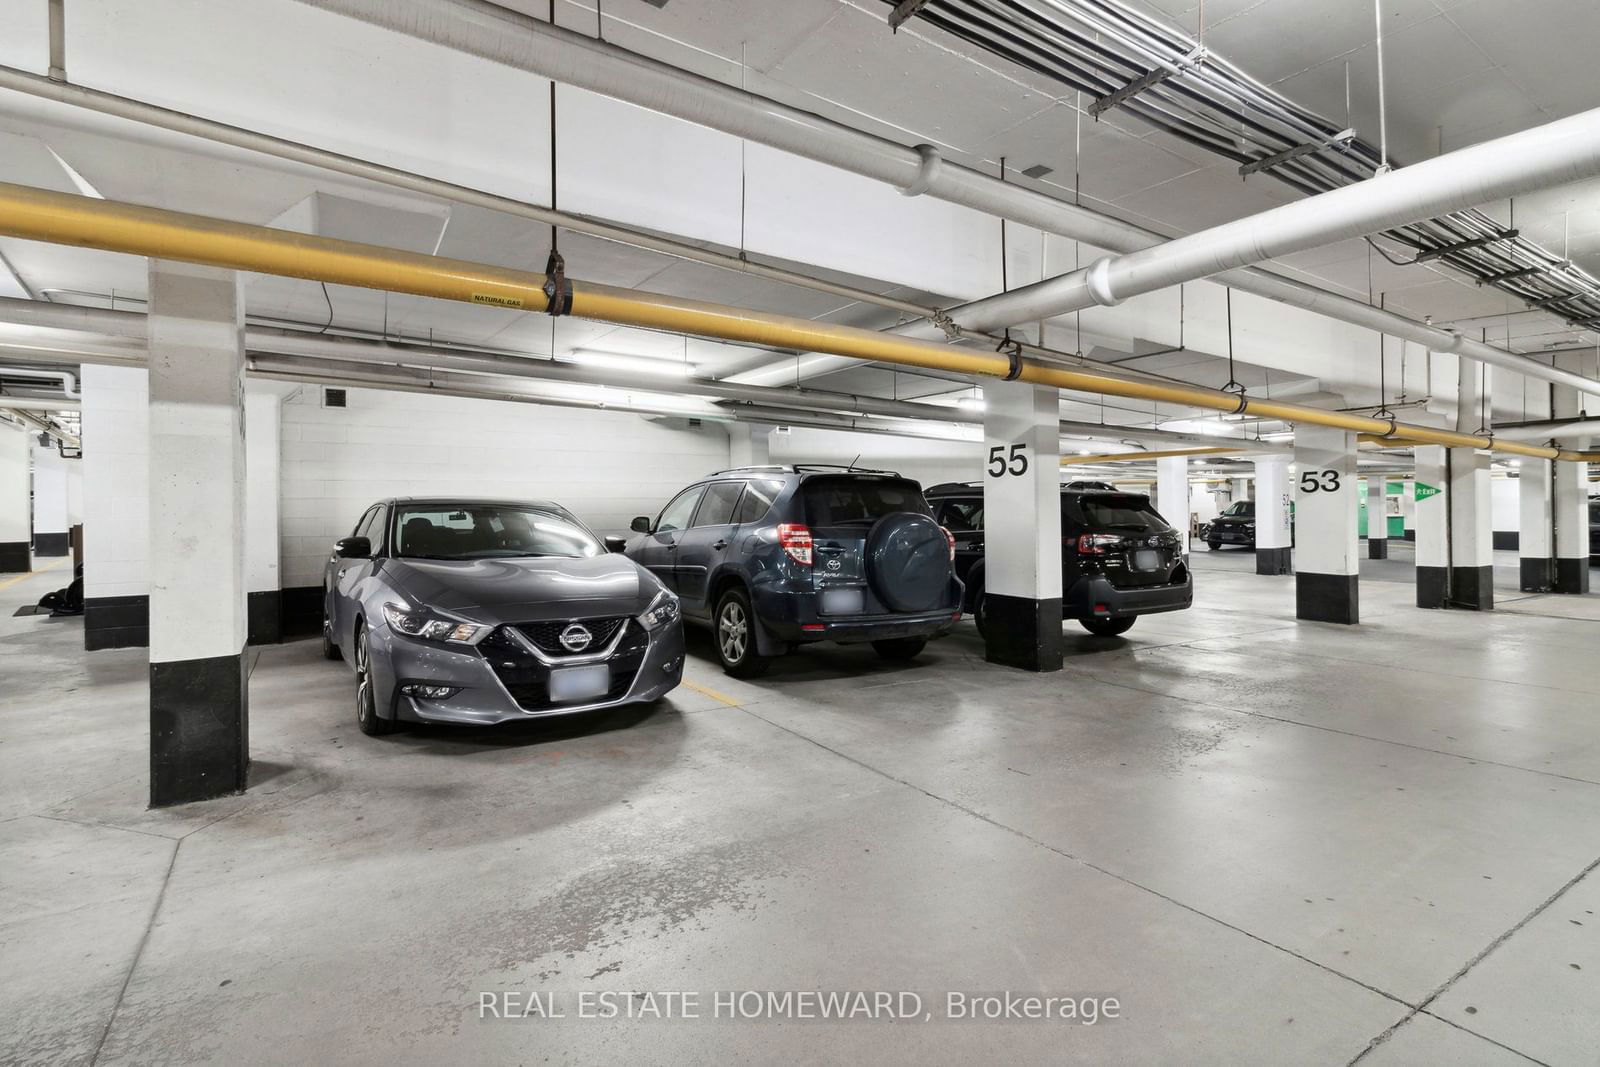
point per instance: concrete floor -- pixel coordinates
(1273, 842)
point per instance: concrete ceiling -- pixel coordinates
(1458, 70)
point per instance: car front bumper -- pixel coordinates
(1094, 597)
(1231, 535)
(483, 698)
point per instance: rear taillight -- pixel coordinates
(796, 542)
(950, 537)
(1097, 544)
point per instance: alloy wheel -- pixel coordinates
(364, 705)
(733, 631)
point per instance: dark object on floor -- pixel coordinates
(68, 601)
(29, 609)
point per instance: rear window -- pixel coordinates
(859, 501)
(1120, 512)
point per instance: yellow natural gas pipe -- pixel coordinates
(63, 218)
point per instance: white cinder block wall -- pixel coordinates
(116, 486)
(605, 466)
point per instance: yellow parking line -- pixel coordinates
(9, 582)
(712, 693)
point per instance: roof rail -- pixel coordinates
(782, 467)
(947, 486)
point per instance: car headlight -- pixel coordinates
(428, 627)
(662, 610)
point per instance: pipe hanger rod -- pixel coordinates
(510, 38)
(65, 218)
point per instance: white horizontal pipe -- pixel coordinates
(1553, 154)
(1555, 431)
(28, 403)
(491, 32)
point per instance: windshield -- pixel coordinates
(489, 531)
(1241, 508)
(860, 501)
(1124, 512)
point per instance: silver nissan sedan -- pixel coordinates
(489, 611)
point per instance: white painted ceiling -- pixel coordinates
(1459, 71)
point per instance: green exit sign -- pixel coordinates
(1423, 492)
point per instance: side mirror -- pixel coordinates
(353, 548)
(615, 543)
(640, 524)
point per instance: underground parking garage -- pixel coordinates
(940, 531)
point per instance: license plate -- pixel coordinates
(1147, 560)
(579, 683)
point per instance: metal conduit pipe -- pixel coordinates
(293, 151)
(1556, 153)
(68, 383)
(63, 218)
(1561, 431)
(30, 403)
(486, 30)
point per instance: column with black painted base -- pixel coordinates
(15, 524)
(1327, 566)
(1570, 489)
(1378, 517)
(1274, 517)
(1535, 523)
(1471, 531)
(50, 522)
(1172, 494)
(1431, 521)
(199, 708)
(1022, 525)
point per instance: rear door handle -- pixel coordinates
(720, 545)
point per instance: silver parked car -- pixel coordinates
(486, 611)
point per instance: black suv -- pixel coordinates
(1119, 558)
(774, 557)
(1235, 526)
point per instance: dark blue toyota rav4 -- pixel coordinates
(774, 557)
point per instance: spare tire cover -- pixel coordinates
(908, 561)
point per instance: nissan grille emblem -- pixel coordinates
(576, 638)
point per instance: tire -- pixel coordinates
(367, 717)
(1108, 627)
(734, 630)
(908, 562)
(900, 649)
(1215, 546)
(329, 649)
(980, 612)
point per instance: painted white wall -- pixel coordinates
(15, 525)
(49, 490)
(1505, 503)
(261, 458)
(116, 481)
(605, 466)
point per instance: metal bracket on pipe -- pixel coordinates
(557, 287)
(1097, 279)
(1148, 80)
(1464, 246)
(904, 10)
(1510, 275)
(1013, 352)
(926, 173)
(1342, 138)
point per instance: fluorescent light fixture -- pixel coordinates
(970, 403)
(663, 368)
(1281, 435)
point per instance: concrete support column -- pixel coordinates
(262, 453)
(1471, 531)
(1238, 489)
(1172, 493)
(199, 707)
(1022, 525)
(1274, 525)
(116, 527)
(1570, 493)
(1378, 517)
(1535, 526)
(16, 526)
(749, 444)
(50, 525)
(1431, 520)
(1327, 563)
